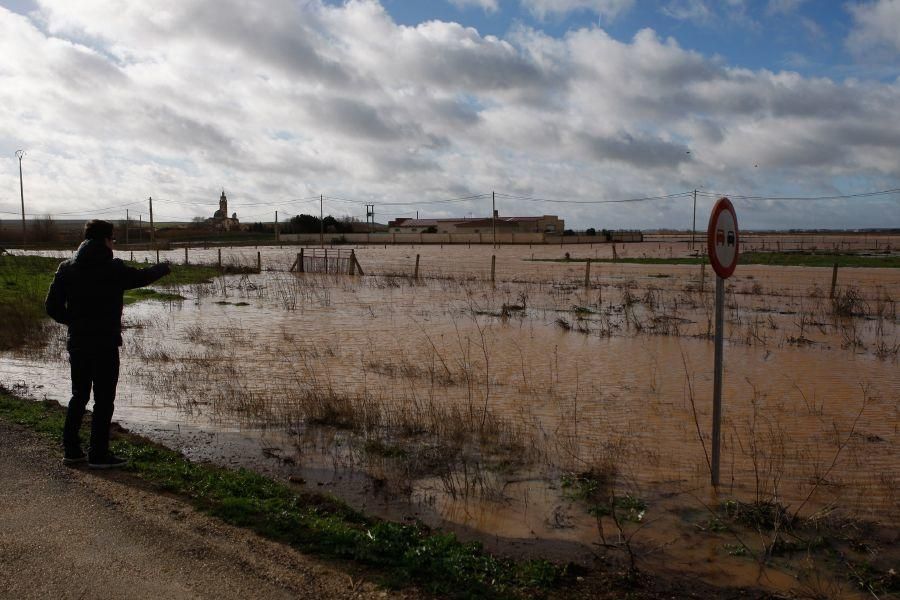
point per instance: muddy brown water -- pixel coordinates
(617, 376)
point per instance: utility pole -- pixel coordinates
(494, 218)
(20, 154)
(321, 221)
(694, 226)
(152, 231)
(370, 217)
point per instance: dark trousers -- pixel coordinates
(97, 368)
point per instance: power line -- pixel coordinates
(789, 198)
(565, 201)
(416, 203)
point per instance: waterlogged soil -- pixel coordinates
(468, 404)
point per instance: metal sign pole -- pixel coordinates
(717, 379)
(722, 240)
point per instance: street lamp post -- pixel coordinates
(20, 154)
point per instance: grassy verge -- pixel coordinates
(403, 554)
(781, 259)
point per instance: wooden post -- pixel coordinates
(833, 279)
(258, 262)
(185, 255)
(587, 274)
(152, 228)
(615, 256)
(493, 269)
(220, 259)
(358, 266)
(157, 256)
(326, 260)
(300, 266)
(352, 262)
(702, 276)
(416, 272)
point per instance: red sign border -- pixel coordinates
(723, 271)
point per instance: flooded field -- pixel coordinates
(485, 406)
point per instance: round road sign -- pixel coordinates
(722, 238)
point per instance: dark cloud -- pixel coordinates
(353, 118)
(284, 39)
(641, 152)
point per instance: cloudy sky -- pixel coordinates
(557, 105)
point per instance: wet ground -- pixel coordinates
(469, 404)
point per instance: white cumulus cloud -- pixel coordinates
(876, 28)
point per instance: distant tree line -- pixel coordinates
(308, 224)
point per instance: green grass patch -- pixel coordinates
(779, 259)
(24, 281)
(403, 553)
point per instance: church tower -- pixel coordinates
(223, 204)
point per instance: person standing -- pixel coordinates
(86, 296)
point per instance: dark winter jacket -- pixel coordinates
(86, 294)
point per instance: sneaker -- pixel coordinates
(110, 461)
(74, 457)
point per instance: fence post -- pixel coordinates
(185, 255)
(220, 259)
(157, 256)
(326, 259)
(587, 274)
(615, 255)
(702, 276)
(258, 262)
(493, 268)
(416, 272)
(833, 279)
(300, 266)
(352, 262)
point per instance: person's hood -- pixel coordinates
(92, 252)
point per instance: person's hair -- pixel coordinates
(95, 229)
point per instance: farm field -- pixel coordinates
(562, 410)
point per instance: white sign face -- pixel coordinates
(723, 238)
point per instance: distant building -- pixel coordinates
(544, 224)
(220, 218)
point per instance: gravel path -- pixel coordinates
(73, 533)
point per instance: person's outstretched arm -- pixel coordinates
(134, 278)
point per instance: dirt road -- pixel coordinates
(74, 533)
